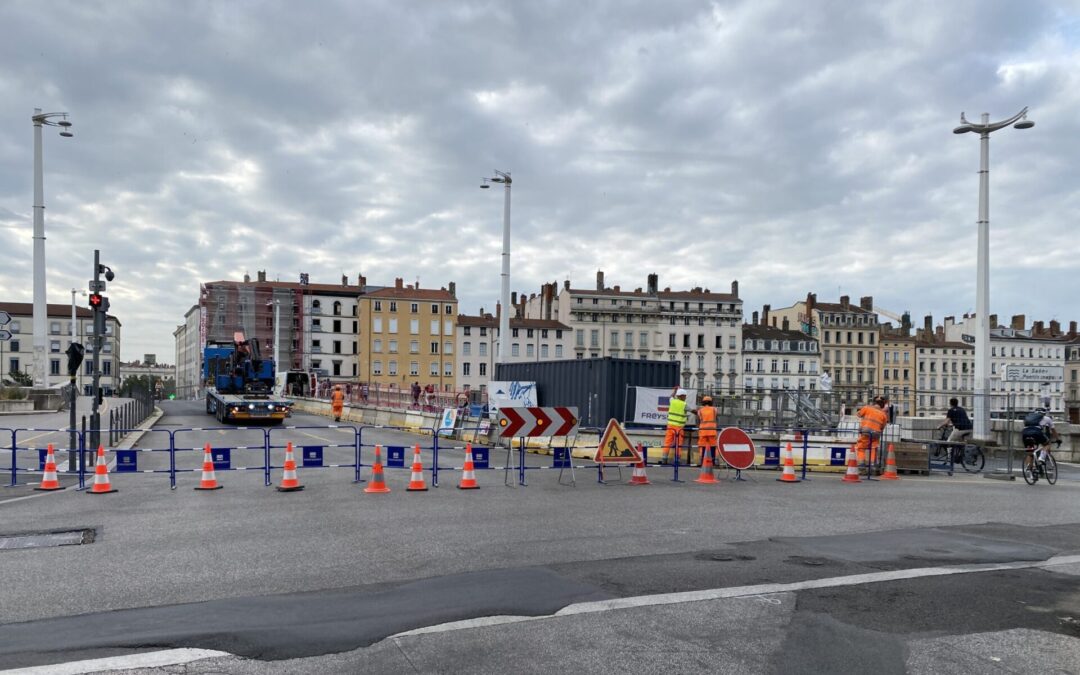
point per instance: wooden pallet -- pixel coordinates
(911, 457)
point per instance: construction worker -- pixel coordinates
(337, 402)
(706, 415)
(676, 420)
(872, 421)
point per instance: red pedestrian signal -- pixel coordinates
(96, 300)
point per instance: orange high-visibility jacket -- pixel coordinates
(873, 418)
(706, 415)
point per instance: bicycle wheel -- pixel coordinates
(1031, 472)
(1051, 469)
(973, 459)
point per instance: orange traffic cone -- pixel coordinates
(789, 467)
(289, 481)
(640, 477)
(416, 481)
(209, 480)
(102, 486)
(890, 465)
(49, 481)
(468, 472)
(377, 483)
(706, 475)
(852, 475)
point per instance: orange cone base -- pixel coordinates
(105, 491)
(416, 487)
(50, 488)
(788, 478)
(377, 489)
(888, 476)
(639, 481)
(706, 478)
(289, 488)
(851, 478)
(464, 486)
(209, 487)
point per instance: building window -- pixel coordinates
(544, 352)
(466, 349)
(483, 370)
(414, 308)
(393, 346)
(448, 309)
(558, 352)
(434, 348)
(337, 367)
(414, 346)
(579, 337)
(465, 369)
(393, 306)
(414, 326)
(414, 367)
(448, 368)
(392, 368)
(376, 325)
(393, 325)
(515, 349)
(468, 330)
(337, 346)
(376, 367)
(54, 366)
(376, 346)
(482, 350)
(594, 338)
(448, 348)
(530, 350)
(106, 368)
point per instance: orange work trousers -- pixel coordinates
(673, 437)
(867, 442)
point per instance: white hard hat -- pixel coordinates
(681, 392)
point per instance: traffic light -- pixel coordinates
(99, 302)
(75, 353)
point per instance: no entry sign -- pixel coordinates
(736, 448)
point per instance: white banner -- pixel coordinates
(511, 395)
(448, 422)
(651, 405)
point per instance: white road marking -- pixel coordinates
(169, 657)
(757, 592)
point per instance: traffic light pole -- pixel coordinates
(96, 340)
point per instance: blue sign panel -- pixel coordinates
(772, 455)
(42, 454)
(313, 455)
(837, 456)
(476, 410)
(395, 456)
(561, 458)
(127, 461)
(222, 458)
(481, 458)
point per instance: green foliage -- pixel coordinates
(20, 378)
(12, 394)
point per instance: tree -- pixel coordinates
(22, 379)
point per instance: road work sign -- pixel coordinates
(736, 448)
(615, 447)
(557, 421)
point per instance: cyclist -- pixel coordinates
(1038, 432)
(958, 418)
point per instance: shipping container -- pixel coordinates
(598, 387)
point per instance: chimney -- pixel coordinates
(735, 288)
(755, 319)
(344, 280)
(1072, 329)
(513, 298)
(774, 322)
(765, 314)
(1037, 328)
(1018, 322)
(667, 289)
(939, 333)
(453, 289)
(993, 320)
(361, 280)
(498, 310)
(262, 275)
(654, 284)
(600, 280)
(867, 303)
(399, 283)
(845, 301)
(566, 284)
(905, 324)
(785, 325)
(247, 278)
(549, 295)
(928, 324)
(811, 302)
(615, 288)
(1055, 329)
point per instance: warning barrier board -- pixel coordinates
(557, 421)
(615, 447)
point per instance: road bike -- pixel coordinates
(1033, 469)
(968, 455)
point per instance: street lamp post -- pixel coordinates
(982, 273)
(40, 307)
(504, 316)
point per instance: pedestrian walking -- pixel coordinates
(416, 394)
(337, 402)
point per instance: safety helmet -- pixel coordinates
(706, 399)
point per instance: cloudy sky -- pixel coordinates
(794, 146)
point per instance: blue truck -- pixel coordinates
(240, 384)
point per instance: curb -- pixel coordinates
(129, 441)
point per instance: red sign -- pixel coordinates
(736, 448)
(556, 421)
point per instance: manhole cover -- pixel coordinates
(723, 557)
(805, 560)
(47, 539)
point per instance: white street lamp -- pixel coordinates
(982, 274)
(40, 307)
(504, 316)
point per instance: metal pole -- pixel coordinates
(40, 307)
(277, 335)
(504, 318)
(95, 344)
(982, 291)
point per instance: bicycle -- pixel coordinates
(968, 455)
(1033, 469)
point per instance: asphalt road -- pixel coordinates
(924, 575)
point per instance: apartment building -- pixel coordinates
(945, 369)
(896, 369)
(407, 334)
(698, 328)
(778, 357)
(1072, 375)
(848, 337)
(17, 354)
(530, 340)
(318, 322)
(1040, 347)
(188, 355)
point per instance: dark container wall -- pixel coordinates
(598, 387)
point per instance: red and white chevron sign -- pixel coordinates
(558, 421)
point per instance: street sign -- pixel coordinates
(4, 317)
(97, 286)
(615, 447)
(4, 335)
(736, 448)
(557, 421)
(1034, 374)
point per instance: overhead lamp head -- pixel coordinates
(1024, 123)
(484, 186)
(962, 129)
(63, 123)
(66, 134)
